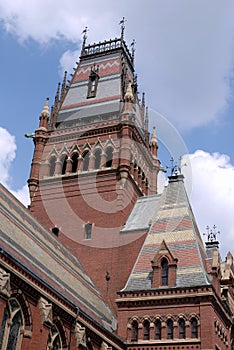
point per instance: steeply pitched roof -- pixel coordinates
(41, 254)
(172, 222)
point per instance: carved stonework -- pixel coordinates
(5, 287)
(80, 334)
(45, 311)
(105, 346)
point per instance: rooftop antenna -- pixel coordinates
(122, 24)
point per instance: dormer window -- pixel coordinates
(93, 82)
(88, 230)
(164, 266)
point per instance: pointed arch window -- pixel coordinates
(170, 334)
(109, 157)
(52, 165)
(164, 266)
(54, 340)
(64, 164)
(74, 162)
(158, 330)
(146, 330)
(194, 328)
(97, 155)
(182, 334)
(12, 326)
(134, 330)
(86, 160)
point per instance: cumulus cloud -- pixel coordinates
(184, 48)
(213, 194)
(7, 156)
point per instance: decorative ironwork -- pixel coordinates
(211, 233)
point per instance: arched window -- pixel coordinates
(164, 266)
(74, 162)
(12, 325)
(52, 165)
(194, 328)
(158, 329)
(64, 164)
(109, 157)
(97, 155)
(85, 160)
(182, 334)
(54, 340)
(146, 329)
(134, 330)
(169, 329)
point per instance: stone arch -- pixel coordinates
(97, 159)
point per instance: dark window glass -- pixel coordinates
(86, 161)
(97, 154)
(64, 164)
(109, 157)
(146, 326)
(194, 328)
(164, 266)
(88, 230)
(74, 162)
(134, 331)
(182, 329)
(158, 329)
(52, 166)
(14, 332)
(169, 329)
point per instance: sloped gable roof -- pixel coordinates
(42, 254)
(175, 224)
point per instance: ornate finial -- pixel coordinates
(211, 234)
(128, 97)
(133, 50)
(146, 124)
(84, 37)
(153, 141)
(64, 84)
(46, 112)
(122, 23)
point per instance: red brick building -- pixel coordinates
(101, 260)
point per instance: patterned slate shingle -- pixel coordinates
(174, 223)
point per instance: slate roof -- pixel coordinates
(41, 253)
(171, 220)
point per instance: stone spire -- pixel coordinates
(45, 115)
(154, 144)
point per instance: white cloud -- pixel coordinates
(7, 156)
(213, 194)
(184, 48)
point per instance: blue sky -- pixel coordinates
(184, 62)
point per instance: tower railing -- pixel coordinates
(107, 46)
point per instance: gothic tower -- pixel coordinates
(93, 159)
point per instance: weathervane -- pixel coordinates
(211, 234)
(122, 23)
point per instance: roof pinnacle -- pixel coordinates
(153, 140)
(46, 112)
